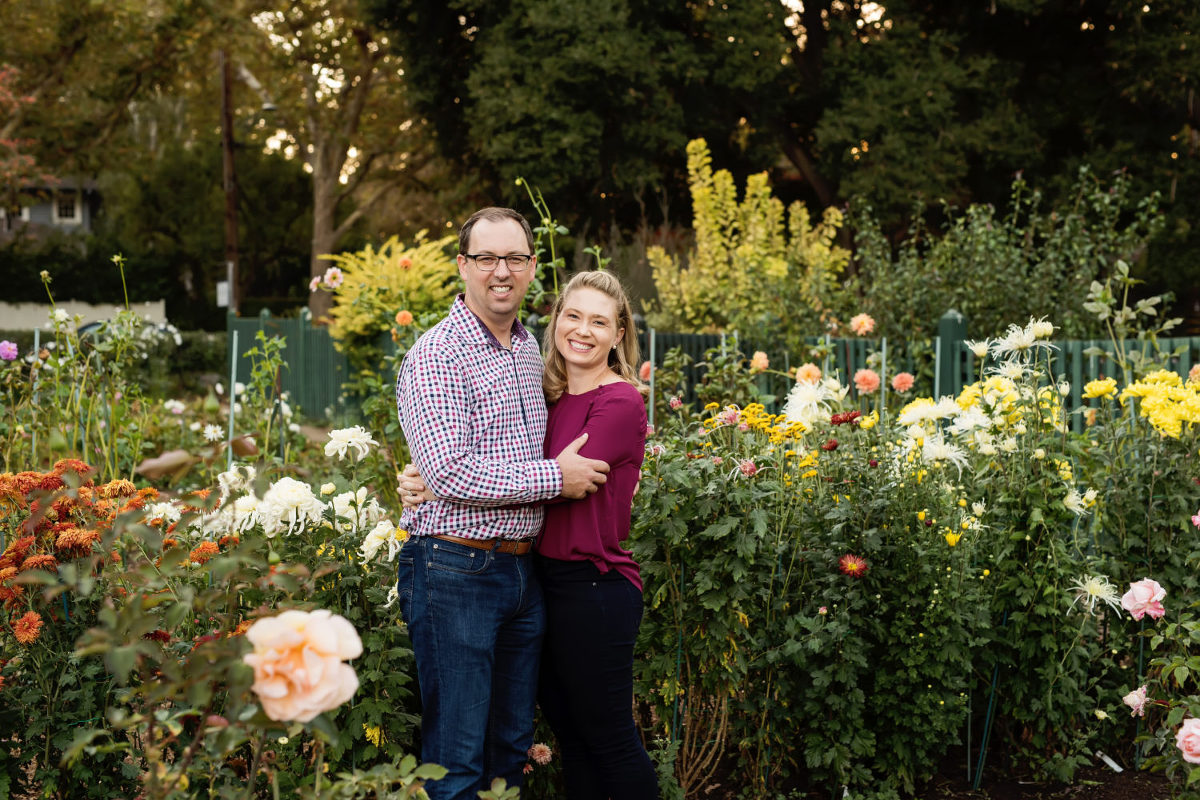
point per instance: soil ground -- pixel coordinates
(1094, 783)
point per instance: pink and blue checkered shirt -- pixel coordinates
(474, 416)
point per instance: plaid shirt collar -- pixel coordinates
(473, 330)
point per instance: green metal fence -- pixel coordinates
(316, 371)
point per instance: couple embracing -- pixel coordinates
(513, 583)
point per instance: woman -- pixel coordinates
(592, 586)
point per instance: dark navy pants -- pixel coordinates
(586, 685)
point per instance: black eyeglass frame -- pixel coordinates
(523, 261)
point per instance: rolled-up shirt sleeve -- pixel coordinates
(433, 399)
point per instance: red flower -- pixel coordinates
(853, 565)
(845, 417)
(157, 636)
(830, 445)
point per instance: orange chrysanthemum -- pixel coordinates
(118, 488)
(76, 541)
(228, 540)
(27, 628)
(41, 561)
(195, 501)
(11, 595)
(203, 552)
(242, 627)
(170, 542)
(73, 465)
(853, 565)
(6, 573)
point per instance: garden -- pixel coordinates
(856, 574)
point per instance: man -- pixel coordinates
(469, 396)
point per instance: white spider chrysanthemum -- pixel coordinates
(167, 512)
(1040, 328)
(384, 533)
(970, 419)
(288, 506)
(1092, 590)
(355, 511)
(1018, 341)
(917, 412)
(345, 439)
(238, 479)
(807, 402)
(1008, 444)
(245, 512)
(978, 348)
(946, 408)
(212, 433)
(1012, 370)
(936, 449)
(979, 508)
(1079, 504)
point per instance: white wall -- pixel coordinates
(27, 316)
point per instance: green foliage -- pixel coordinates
(378, 284)
(1001, 267)
(744, 265)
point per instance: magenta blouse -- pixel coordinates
(591, 529)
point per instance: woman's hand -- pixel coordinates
(412, 488)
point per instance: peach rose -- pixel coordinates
(903, 381)
(1144, 597)
(297, 661)
(759, 361)
(644, 371)
(1187, 739)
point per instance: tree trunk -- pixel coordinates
(325, 199)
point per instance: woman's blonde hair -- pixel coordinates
(622, 360)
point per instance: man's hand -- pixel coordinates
(581, 476)
(412, 488)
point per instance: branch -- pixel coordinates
(357, 213)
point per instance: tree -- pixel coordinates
(895, 102)
(338, 104)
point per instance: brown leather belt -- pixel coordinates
(517, 547)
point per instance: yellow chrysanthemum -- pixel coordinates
(1103, 387)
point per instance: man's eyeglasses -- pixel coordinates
(488, 262)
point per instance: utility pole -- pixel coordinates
(230, 183)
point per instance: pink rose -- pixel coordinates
(1187, 739)
(297, 661)
(1136, 700)
(1196, 519)
(1144, 597)
(866, 381)
(903, 381)
(675, 403)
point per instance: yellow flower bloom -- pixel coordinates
(1104, 387)
(952, 538)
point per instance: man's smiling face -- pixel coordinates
(495, 297)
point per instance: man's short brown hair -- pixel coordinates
(492, 214)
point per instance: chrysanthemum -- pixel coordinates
(27, 627)
(203, 552)
(345, 439)
(807, 402)
(853, 565)
(288, 506)
(355, 511)
(1093, 589)
(384, 533)
(541, 753)
(862, 324)
(937, 449)
(212, 433)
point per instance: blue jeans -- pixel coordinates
(476, 620)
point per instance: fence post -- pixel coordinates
(952, 330)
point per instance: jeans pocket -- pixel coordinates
(406, 574)
(458, 558)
